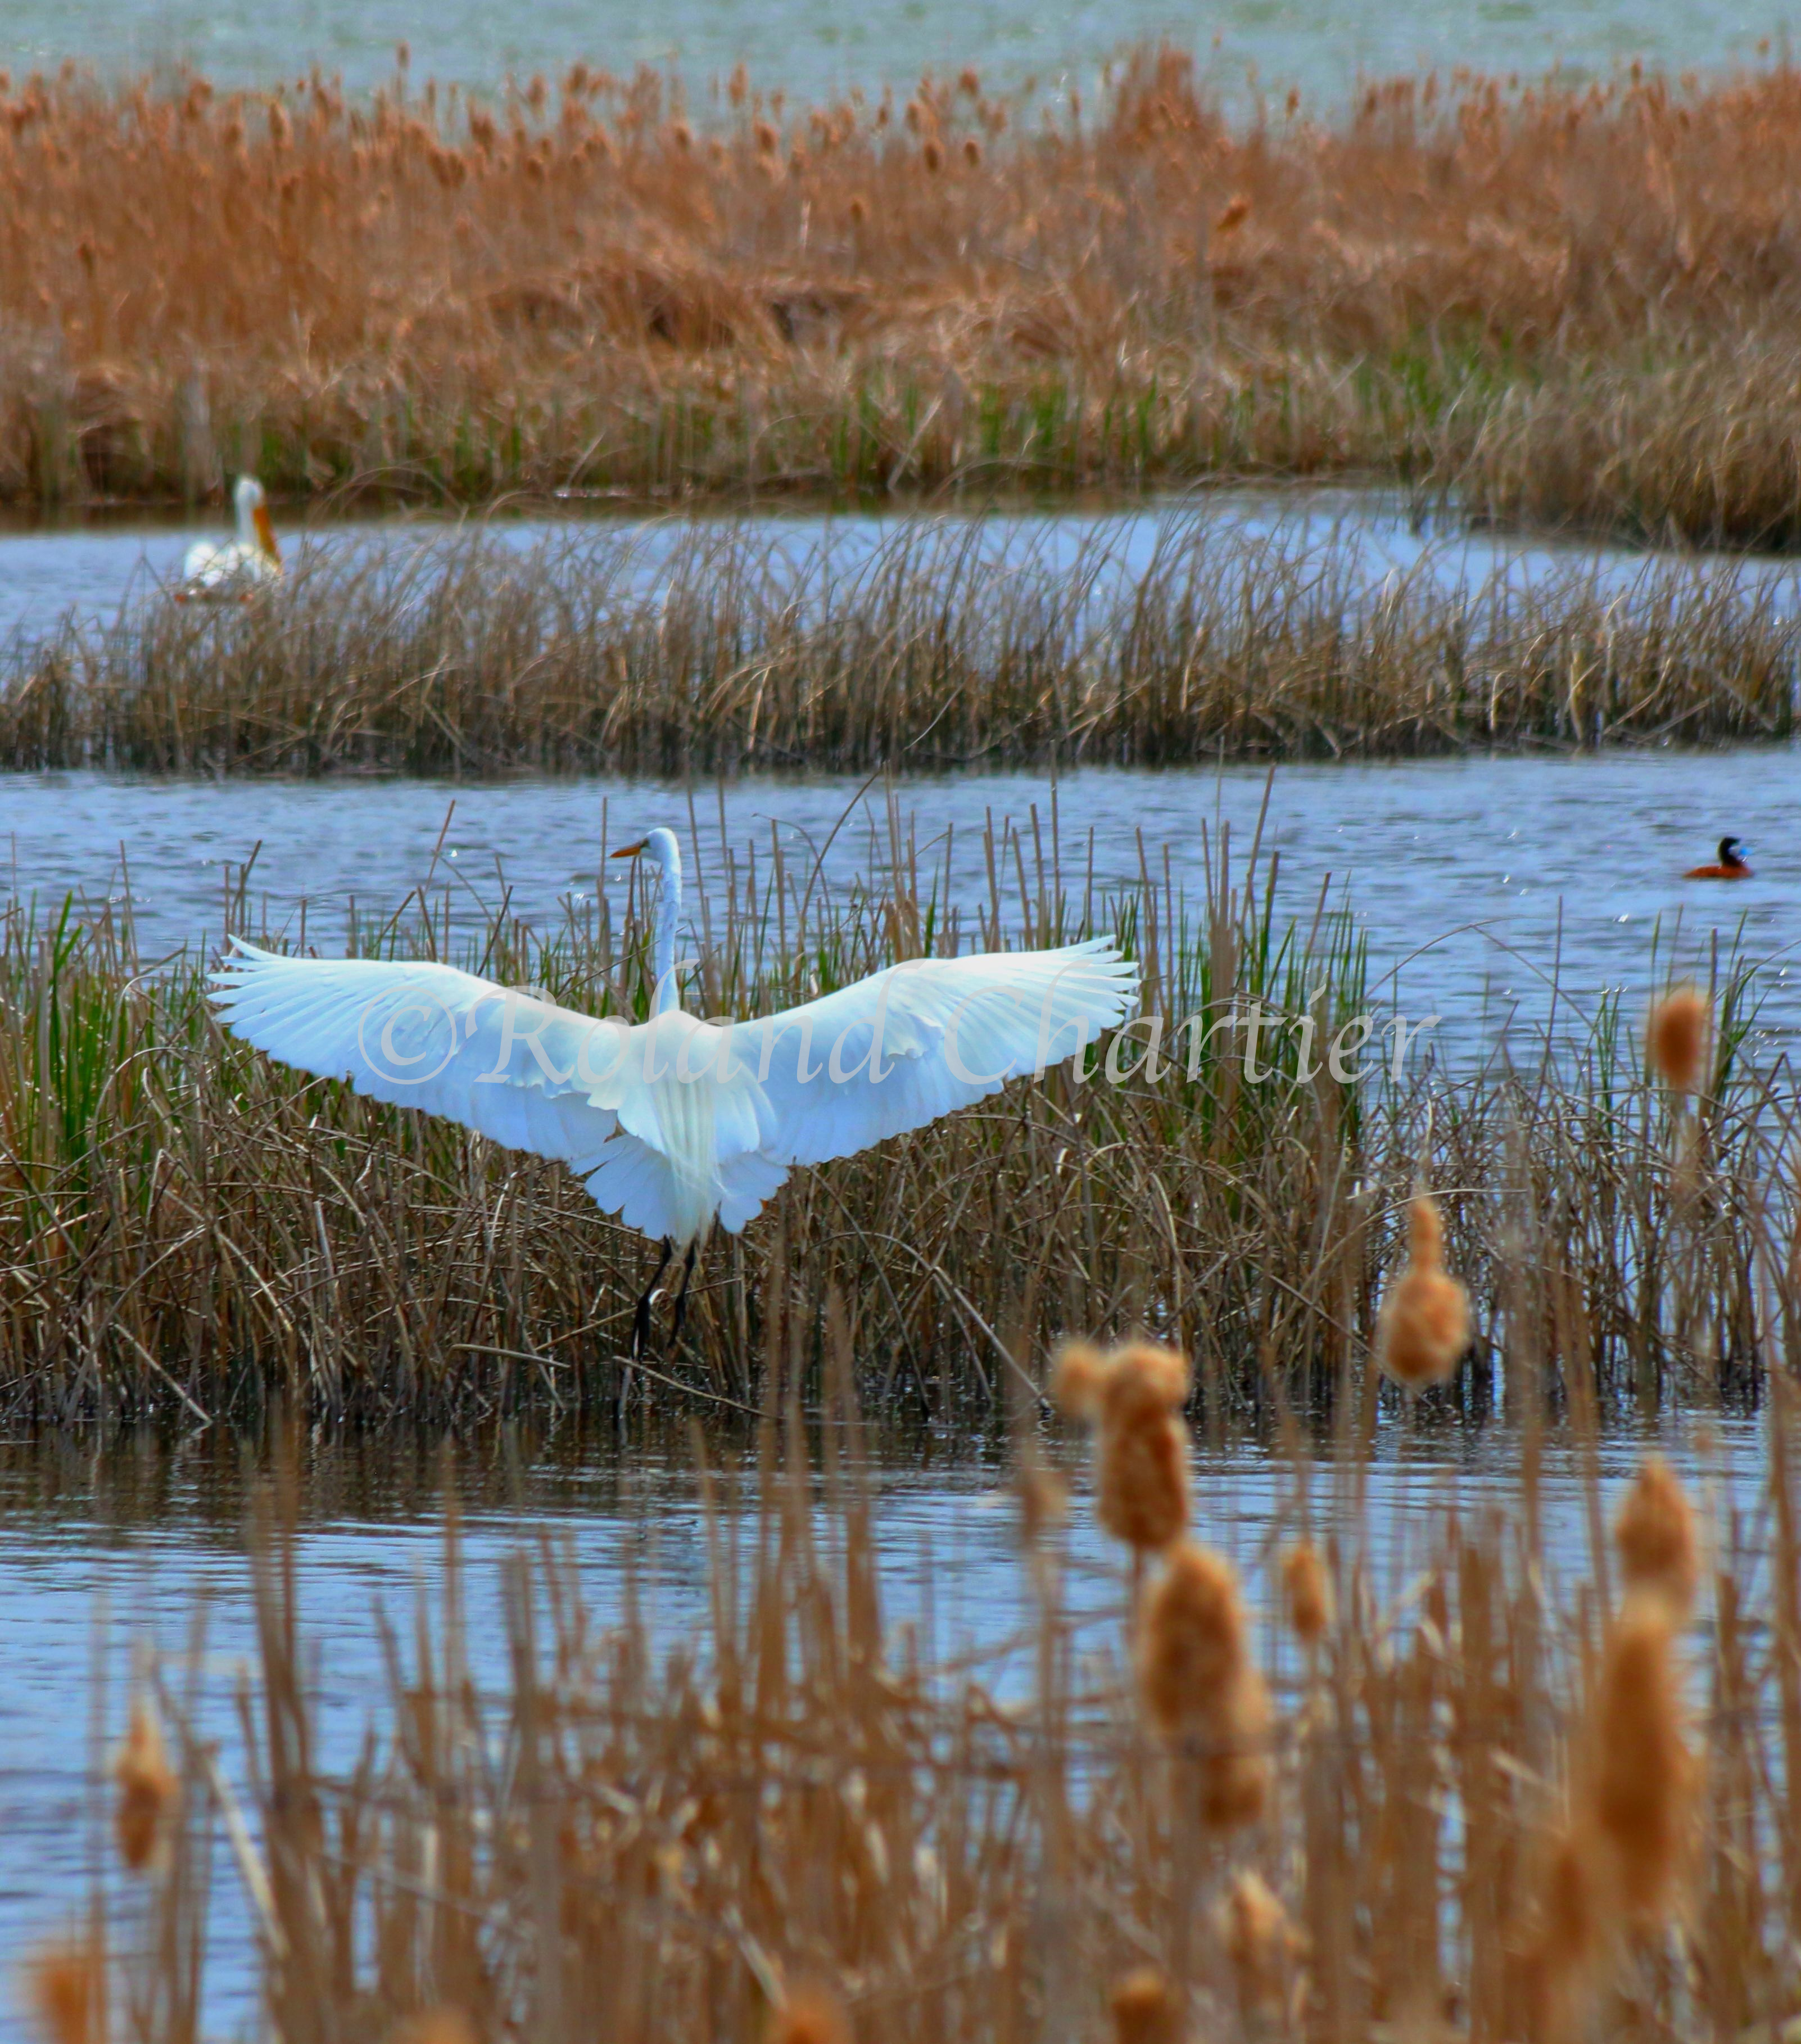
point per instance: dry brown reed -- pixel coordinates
(1131, 1398)
(936, 643)
(1659, 1543)
(147, 1786)
(596, 1828)
(1644, 1779)
(1424, 1329)
(1676, 1039)
(1201, 1689)
(1261, 1945)
(1569, 297)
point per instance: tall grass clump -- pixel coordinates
(788, 1823)
(933, 643)
(187, 1227)
(1575, 299)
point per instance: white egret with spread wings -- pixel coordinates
(675, 1122)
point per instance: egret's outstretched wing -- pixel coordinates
(512, 1067)
(902, 1048)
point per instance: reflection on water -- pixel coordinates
(102, 1553)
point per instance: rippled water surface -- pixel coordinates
(104, 1557)
(1477, 881)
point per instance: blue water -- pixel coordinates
(816, 49)
(104, 1565)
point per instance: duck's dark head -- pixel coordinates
(1732, 852)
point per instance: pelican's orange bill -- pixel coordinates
(266, 532)
(630, 851)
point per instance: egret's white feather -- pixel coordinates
(675, 1122)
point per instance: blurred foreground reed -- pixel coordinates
(1508, 1773)
(714, 647)
(1565, 300)
(187, 1227)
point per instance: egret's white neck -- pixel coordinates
(666, 915)
(247, 534)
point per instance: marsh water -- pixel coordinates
(1478, 882)
(815, 49)
(106, 1558)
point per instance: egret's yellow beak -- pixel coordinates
(265, 533)
(631, 850)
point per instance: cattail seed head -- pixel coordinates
(1236, 1776)
(1659, 1548)
(1423, 1327)
(436, 2025)
(1076, 1378)
(1644, 1775)
(66, 1987)
(1145, 2010)
(1142, 1446)
(1231, 215)
(1571, 1929)
(932, 157)
(147, 1788)
(1259, 1942)
(1044, 1501)
(809, 2016)
(1675, 1038)
(1193, 1641)
(1309, 1590)
(1557, 1966)
(1199, 1685)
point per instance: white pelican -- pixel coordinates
(237, 567)
(675, 1122)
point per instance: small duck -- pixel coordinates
(1730, 865)
(213, 573)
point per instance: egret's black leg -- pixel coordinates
(641, 1320)
(681, 1296)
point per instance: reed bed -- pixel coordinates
(189, 1229)
(1494, 1782)
(613, 285)
(711, 648)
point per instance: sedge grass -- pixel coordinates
(187, 1227)
(936, 643)
(1569, 298)
(790, 1823)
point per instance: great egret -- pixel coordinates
(241, 566)
(675, 1122)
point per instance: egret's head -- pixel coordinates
(659, 849)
